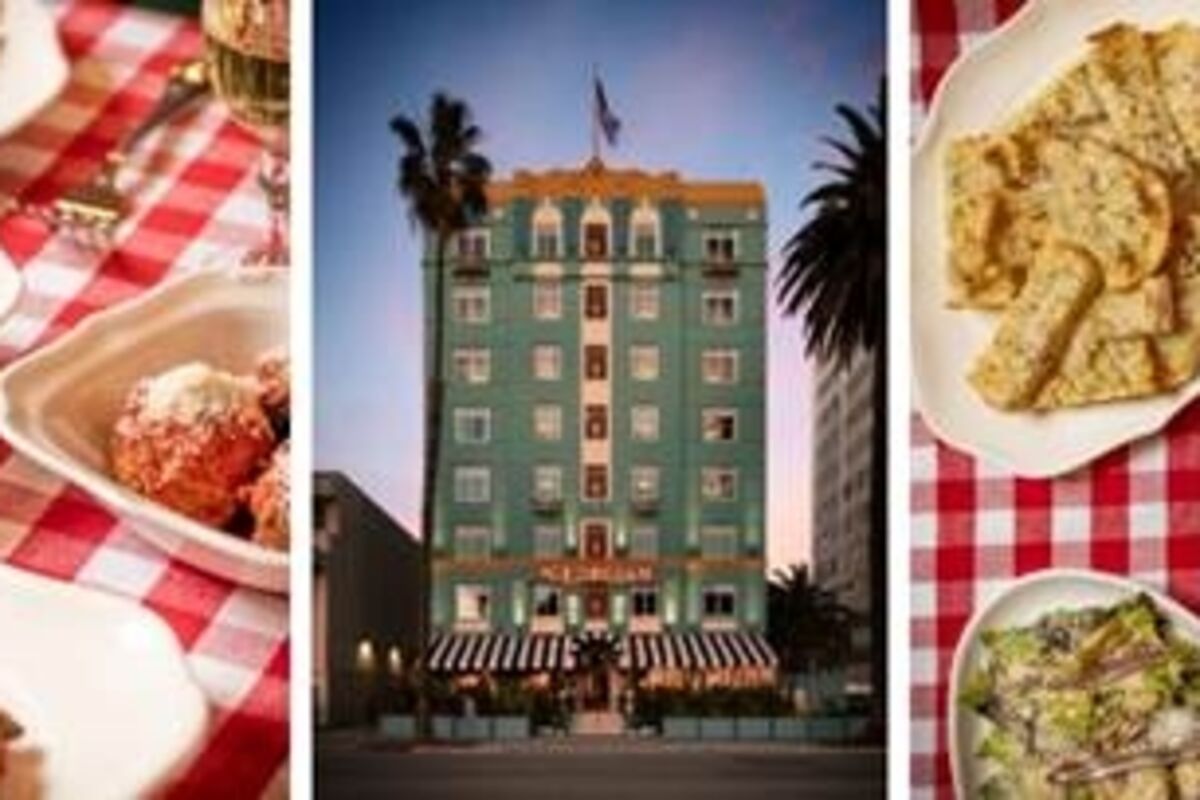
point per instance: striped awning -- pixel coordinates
(500, 652)
(697, 651)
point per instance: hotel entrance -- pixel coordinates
(597, 654)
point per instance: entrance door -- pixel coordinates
(595, 540)
(595, 604)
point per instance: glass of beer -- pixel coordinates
(248, 53)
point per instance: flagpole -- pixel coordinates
(595, 118)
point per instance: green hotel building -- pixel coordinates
(600, 507)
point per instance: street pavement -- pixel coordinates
(600, 770)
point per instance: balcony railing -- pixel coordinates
(471, 265)
(645, 504)
(720, 265)
(546, 504)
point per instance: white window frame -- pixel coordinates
(636, 352)
(552, 351)
(559, 537)
(482, 532)
(547, 298)
(713, 294)
(473, 591)
(645, 470)
(654, 289)
(461, 295)
(554, 474)
(472, 365)
(710, 478)
(474, 234)
(719, 589)
(461, 417)
(463, 474)
(726, 532)
(549, 589)
(633, 536)
(708, 413)
(552, 414)
(711, 374)
(650, 411)
(644, 589)
(714, 234)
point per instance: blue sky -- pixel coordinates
(711, 89)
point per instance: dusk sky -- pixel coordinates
(715, 90)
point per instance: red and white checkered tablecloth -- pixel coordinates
(195, 197)
(1134, 512)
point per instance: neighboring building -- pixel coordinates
(603, 454)
(844, 413)
(366, 599)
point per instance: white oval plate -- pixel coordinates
(101, 686)
(1022, 603)
(33, 67)
(58, 404)
(10, 286)
(981, 90)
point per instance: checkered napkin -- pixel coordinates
(195, 197)
(975, 527)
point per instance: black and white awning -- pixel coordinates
(500, 652)
(697, 651)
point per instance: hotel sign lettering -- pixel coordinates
(582, 572)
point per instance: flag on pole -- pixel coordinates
(605, 118)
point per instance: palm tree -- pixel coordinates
(806, 624)
(442, 178)
(834, 273)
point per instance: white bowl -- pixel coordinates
(980, 91)
(33, 67)
(1023, 602)
(101, 686)
(58, 404)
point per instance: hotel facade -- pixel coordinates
(600, 506)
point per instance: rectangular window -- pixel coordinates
(643, 299)
(719, 366)
(643, 362)
(720, 247)
(547, 362)
(645, 601)
(472, 604)
(547, 601)
(643, 542)
(472, 484)
(718, 541)
(473, 246)
(547, 423)
(718, 483)
(720, 602)
(644, 484)
(546, 242)
(595, 424)
(547, 483)
(472, 542)
(472, 304)
(547, 299)
(644, 423)
(595, 240)
(645, 240)
(595, 482)
(547, 541)
(473, 364)
(595, 301)
(719, 424)
(720, 306)
(472, 425)
(595, 357)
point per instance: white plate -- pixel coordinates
(101, 686)
(982, 90)
(10, 284)
(1023, 603)
(59, 403)
(33, 67)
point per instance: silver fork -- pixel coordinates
(91, 211)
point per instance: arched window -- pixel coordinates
(547, 231)
(596, 228)
(645, 240)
